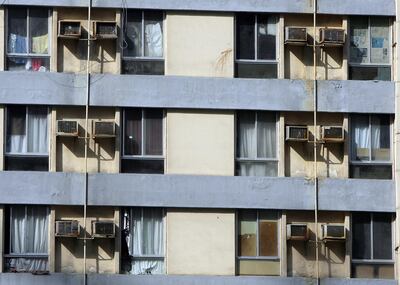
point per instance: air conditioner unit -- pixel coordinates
(67, 128)
(105, 29)
(67, 228)
(297, 232)
(333, 232)
(297, 133)
(69, 29)
(332, 134)
(103, 129)
(331, 37)
(295, 35)
(103, 229)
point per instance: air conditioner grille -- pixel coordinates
(68, 127)
(333, 133)
(104, 228)
(104, 128)
(298, 230)
(335, 231)
(70, 28)
(298, 133)
(333, 35)
(105, 28)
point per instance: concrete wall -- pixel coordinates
(72, 54)
(201, 242)
(199, 44)
(332, 159)
(2, 137)
(299, 59)
(100, 251)
(103, 154)
(333, 256)
(200, 142)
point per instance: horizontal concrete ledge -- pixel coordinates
(117, 279)
(354, 96)
(346, 7)
(194, 191)
(201, 92)
(44, 188)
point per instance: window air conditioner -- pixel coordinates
(295, 35)
(103, 229)
(297, 133)
(332, 134)
(105, 29)
(297, 232)
(103, 129)
(67, 228)
(69, 29)
(333, 232)
(66, 128)
(331, 37)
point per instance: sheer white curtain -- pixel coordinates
(154, 39)
(147, 239)
(247, 135)
(29, 235)
(361, 137)
(37, 130)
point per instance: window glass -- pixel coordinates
(380, 143)
(133, 132)
(266, 33)
(16, 129)
(247, 144)
(17, 30)
(133, 34)
(153, 40)
(248, 233)
(256, 70)
(38, 25)
(359, 40)
(380, 40)
(361, 137)
(266, 135)
(371, 171)
(143, 67)
(369, 73)
(361, 236)
(154, 131)
(245, 30)
(382, 225)
(268, 234)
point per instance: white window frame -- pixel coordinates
(143, 156)
(255, 60)
(27, 154)
(28, 37)
(258, 257)
(143, 57)
(369, 161)
(31, 255)
(369, 64)
(372, 260)
(258, 159)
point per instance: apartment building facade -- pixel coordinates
(198, 142)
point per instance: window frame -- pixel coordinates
(143, 57)
(370, 162)
(369, 64)
(27, 154)
(372, 260)
(26, 255)
(257, 159)
(28, 36)
(258, 257)
(255, 60)
(149, 256)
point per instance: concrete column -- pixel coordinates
(345, 67)
(1, 237)
(2, 134)
(2, 38)
(347, 261)
(396, 136)
(53, 140)
(281, 47)
(54, 41)
(281, 146)
(117, 252)
(118, 122)
(118, 43)
(283, 244)
(346, 145)
(52, 241)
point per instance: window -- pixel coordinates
(370, 147)
(27, 239)
(370, 48)
(256, 144)
(256, 46)
(143, 241)
(372, 246)
(258, 243)
(27, 138)
(143, 43)
(143, 141)
(28, 39)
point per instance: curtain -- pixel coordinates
(153, 39)
(29, 235)
(380, 142)
(147, 239)
(37, 130)
(258, 168)
(16, 129)
(266, 134)
(247, 135)
(361, 137)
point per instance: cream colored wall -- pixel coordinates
(299, 59)
(2, 136)
(2, 38)
(332, 159)
(200, 142)
(72, 53)
(199, 44)
(201, 242)
(101, 256)
(1, 237)
(334, 257)
(103, 154)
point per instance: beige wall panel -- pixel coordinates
(72, 54)
(199, 44)
(201, 242)
(2, 232)
(100, 251)
(2, 38)
(299, 156)
(2, 140)
(299, 59)
(102, 154)
(301, 255)
(200, 142)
